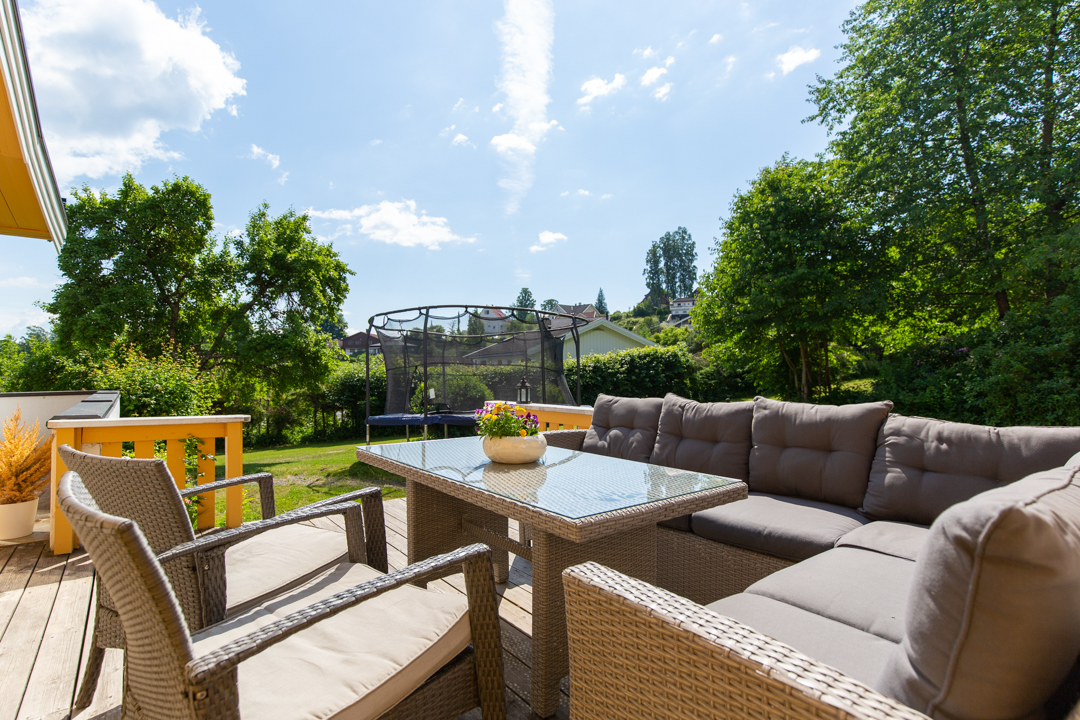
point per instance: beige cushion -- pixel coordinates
(901, 540)
(856, 587)
(710, 438)
(818, 452)
(623, 427)
(790, 528)
(278, 559)
(355, 665)
(923, 466)
(992, 623)
(858, 654)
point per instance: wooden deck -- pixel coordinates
(46, 619)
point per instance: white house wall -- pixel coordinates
(599, 342)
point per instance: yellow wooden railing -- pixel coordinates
(107, 436)
(565, 417)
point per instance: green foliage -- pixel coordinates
(551, 304)
(160, 386)
(671, 336)
(601, 303)
(671, 266)
(499, 421)
(335, 328)
(791, 277)
(34, 364)
(462, 391)
(641, 372)
(525, 299)
(475, 326)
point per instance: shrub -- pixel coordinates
(151, 387)
(641, 372)
(463, 391)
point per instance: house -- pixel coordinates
(494, 321)
(598, 337)
(587, 310)
(360, 342)
(681, 307)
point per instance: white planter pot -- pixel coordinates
(515, 450)
(17, 519)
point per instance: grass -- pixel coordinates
(304, 474)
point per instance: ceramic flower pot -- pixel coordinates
(515, 450)
(17, 519)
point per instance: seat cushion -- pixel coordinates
(623, 427)
(355, 665)
(901, 540)
(710, 438)
(791, 528)
(856, 653)
(278, 559)
(992, 624)
(817, 452)
(856, 587)
(924, 466)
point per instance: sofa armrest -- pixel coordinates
(568, 439)
(637, 650)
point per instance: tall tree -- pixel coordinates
(142, 266)
(789, 278)
(601, 303)
(671, 266)
(336, 328)
(551, 304)
(957, 121)
(654, 273)
(525, 299)
(475, 326)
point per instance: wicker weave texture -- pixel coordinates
(705, 571)
(569, 439)
(640, 651)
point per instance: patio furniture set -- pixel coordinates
(689, 560)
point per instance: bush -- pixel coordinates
(641, 372)
(161, 386)
(463, 391)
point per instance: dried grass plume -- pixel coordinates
(24, 465)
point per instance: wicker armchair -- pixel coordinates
(266, 557)
(639, 651)
(308, 661)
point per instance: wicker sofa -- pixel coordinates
(878, 558)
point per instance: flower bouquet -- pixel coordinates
(511, 434)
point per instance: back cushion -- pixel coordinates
(818, 452)
(992, 624)
(623, 427)
(711, 438)
(923, 466)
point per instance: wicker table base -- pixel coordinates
(439, 522)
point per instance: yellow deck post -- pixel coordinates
(234, 467)
(144, 449)
(205, 474)
(174, 458)
(61, 537)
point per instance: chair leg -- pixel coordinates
(90, 676)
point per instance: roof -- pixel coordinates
(585, 310)
(493, 313)
(517, 345)
(358, 340)
(30, 202)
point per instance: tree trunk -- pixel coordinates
(794, 370)
(804, 356)
(828, 373)
(1001, 298)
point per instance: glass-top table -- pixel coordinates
(571, 507)
(567, 483)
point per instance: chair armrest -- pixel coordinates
(215, 671)
(568, 439)
(266, 490)
(637, 650)
(374, 522)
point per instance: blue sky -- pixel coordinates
(452, 152)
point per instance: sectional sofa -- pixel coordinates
(903, 563)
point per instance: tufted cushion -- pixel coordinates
(992, 623)
(818, 452)
(923, 466)
(711, 438)
(623, 427)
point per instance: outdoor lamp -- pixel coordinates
(523, 392)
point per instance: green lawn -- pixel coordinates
(306, 473)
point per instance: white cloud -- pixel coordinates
(598, 88)
(460, 139)
(257, 153)
(24, 283)
(583, 193)
(497, 108)
(284, 176)
(669, 62)
(647, 52)
(729, 64)
(375, 142)
(652, 75)
(459, 103)
(564, 193)
(606, 196)
(447, 130)
(111, 76)
(232, 110)
(715, 39)
(395, 223)
(662, 92)
(795, 57)
(547, 239)
(526, 33)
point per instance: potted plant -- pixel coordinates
(24, 471)
(511, 434)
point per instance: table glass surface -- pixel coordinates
(569, 483)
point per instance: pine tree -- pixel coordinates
(601, 303)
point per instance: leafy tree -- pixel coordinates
(551, 304)
(956, 121)
(654, 273)
(525, 299)
(601, 303)
(788, 278)
(336, 328)
(142, 266)
(671, 336)
(671, 266)
(475, 326)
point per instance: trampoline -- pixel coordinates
(444, 361)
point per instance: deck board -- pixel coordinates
(46, 621)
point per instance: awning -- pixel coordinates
(30, 204)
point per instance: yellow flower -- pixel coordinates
(522, 433)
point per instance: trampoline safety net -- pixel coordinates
(443, 362)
